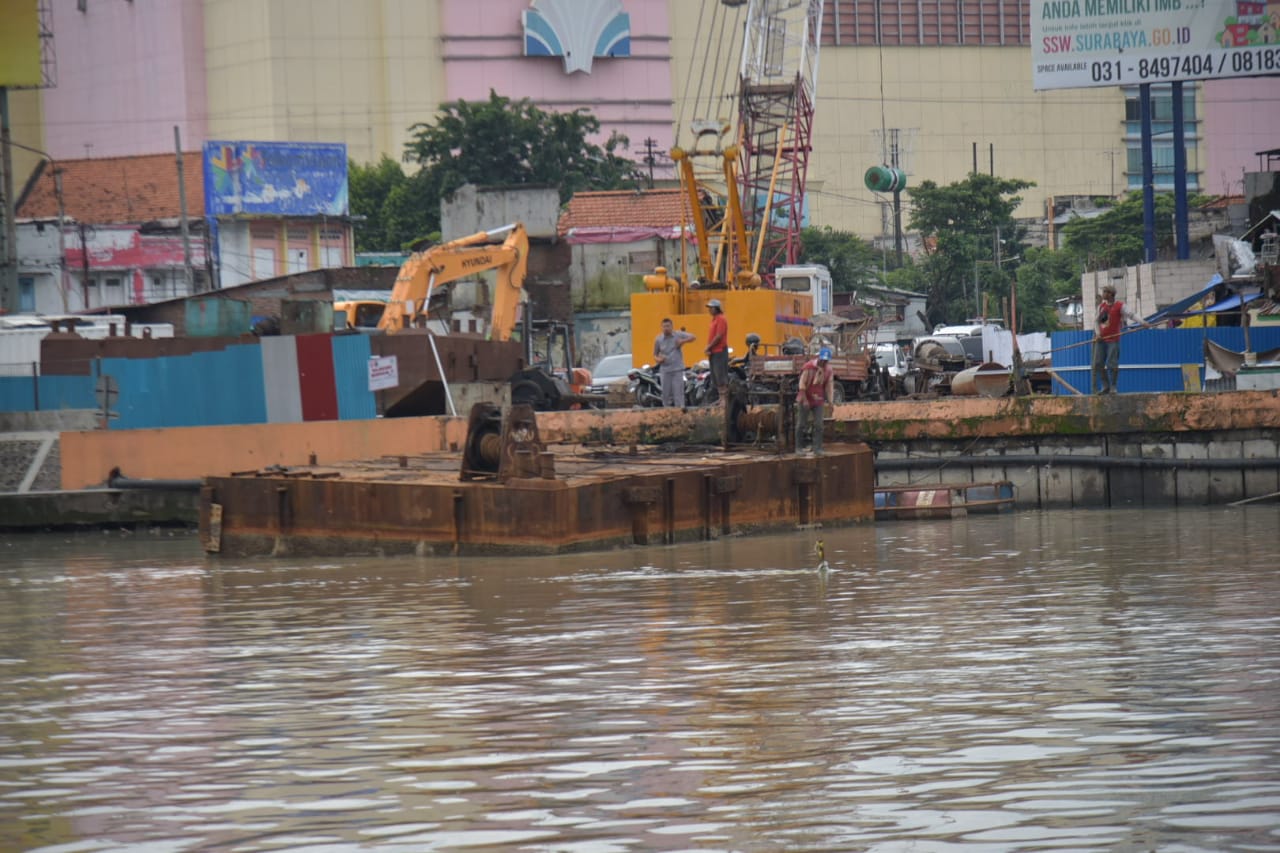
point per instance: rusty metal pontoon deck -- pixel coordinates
(508, 494)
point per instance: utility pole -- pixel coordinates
(84, 279)
(182, 203)
(9, 257)
(897, 198)
(1111, 159)
(977, 288)
(62, 236)
(650, 159)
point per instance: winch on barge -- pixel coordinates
(508, 493)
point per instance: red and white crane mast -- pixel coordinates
(776, 91)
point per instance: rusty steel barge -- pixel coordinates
(508, 493)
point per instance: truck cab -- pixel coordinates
(893, 358)
(813, 279)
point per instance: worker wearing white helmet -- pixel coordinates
(718, 347)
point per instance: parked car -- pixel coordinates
(610, 378)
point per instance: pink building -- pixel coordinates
(1236, 129)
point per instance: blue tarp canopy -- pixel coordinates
(1181, 308)
(1231, 303)
(1178, 309)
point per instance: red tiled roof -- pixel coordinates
(1222, 202)
(118, 190)
(623, 209)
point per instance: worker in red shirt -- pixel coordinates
(817, 386)
(1111, 318)
(718, 347)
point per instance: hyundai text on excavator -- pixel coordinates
(447, 263)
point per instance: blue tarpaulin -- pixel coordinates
(1179, 309)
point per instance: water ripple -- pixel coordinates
(1072, 681)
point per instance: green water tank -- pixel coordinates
(885, 179)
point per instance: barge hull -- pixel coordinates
(595, 502)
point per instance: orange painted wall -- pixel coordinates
(188, 453)
(192, 452)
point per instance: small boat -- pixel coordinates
(942, 500)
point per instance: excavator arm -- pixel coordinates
(444, 264)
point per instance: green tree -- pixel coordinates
(851, 259)
(1044, 276)
(505, 142)
(910, 277)
(498, 142)
(963, 224)
(1115, 238)
(370, 187)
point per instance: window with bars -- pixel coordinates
(1161, 136)
(926, 22)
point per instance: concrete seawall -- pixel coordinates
(1154, 450)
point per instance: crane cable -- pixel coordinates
(722, 70)
(684, 102)
(884, 132)
(716, 82)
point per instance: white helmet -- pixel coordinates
(713, 303)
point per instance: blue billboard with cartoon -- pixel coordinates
(278, 178)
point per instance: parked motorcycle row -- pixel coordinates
(699, 389)
(646, 386)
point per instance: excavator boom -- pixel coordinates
(445, 264)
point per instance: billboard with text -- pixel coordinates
(1081, 43)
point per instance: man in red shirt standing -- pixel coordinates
(817, 385)
(1111, 317)
(718, 347)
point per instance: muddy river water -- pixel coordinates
(1080, 680)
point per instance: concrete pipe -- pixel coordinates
(985, 380)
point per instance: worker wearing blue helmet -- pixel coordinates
(817, 387)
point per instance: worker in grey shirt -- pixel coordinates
(669, 359)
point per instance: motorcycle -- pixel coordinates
(702, 391)
(646, 387)
(697, 384)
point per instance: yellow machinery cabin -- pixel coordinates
(774, 315)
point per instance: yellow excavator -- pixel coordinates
(444, 264)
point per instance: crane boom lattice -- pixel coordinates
(775, 124)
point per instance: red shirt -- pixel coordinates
(1109, 329)
(815, 393)
(719, 326)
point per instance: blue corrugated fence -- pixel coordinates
(1151, 359)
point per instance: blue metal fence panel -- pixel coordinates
(67, 392)
(201, 389)
(1151, 359)
(351, 377)
(19, 393)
